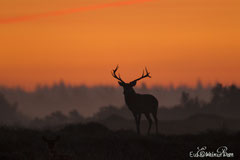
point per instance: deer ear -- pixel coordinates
(133, 83)
(120, 83)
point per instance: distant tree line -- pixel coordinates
(87, 100)
(224, 101)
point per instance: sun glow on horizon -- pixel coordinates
(179, 41)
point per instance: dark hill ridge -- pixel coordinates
(87, 142)
(204, 116)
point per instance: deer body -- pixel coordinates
(139, 103)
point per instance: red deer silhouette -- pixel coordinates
(139, 103)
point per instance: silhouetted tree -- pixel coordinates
(75, 117)
(217, 93)
(8, 112)
(225, 100)
(56, 118)
(185, 97)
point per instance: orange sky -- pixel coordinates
(180, 41)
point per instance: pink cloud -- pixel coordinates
(69, 11)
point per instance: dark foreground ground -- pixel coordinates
(95, 142)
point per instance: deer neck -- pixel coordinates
(130, 92)
(129, 97)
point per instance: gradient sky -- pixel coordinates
(80, 41)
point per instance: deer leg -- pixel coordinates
(156, 121)
(149, 121)
(136, 121)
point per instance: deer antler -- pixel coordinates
(143, 75)
(115, 76)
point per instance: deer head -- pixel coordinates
(128, 87)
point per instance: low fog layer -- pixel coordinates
(190, 115)
(88, 100)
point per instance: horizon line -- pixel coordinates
(198, 83)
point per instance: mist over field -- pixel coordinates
(88, 100)
(181, 110)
